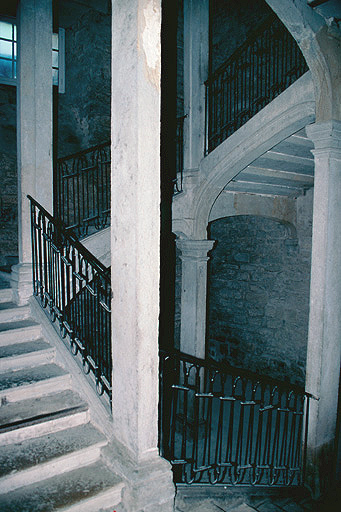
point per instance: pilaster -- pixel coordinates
(324, 347)
(135, 253)
(34, 125)
(194, 257)
(196, 52)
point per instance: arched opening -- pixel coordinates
(258, 294)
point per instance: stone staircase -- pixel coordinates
(50, 452)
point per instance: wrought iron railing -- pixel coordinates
(82, 189)
(221, 425)
(75, 289)
(179, 148)
(263, 67)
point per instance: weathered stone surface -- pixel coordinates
(232, 22)
(84, 109)
(258, 309)
(8, 176)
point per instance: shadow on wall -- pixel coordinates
(8, 177)
(258, 296)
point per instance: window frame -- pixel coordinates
(61, 56)
(5, 80)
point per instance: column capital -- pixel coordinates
(326, 135)
(195, 249)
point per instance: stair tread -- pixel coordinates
(26, 454)
(11, 305)
(27, 347)
(18, 324)
(61, 491)
(34, 410)
(26, 376)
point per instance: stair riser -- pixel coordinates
(9, 315)
(107, 500)
(44, 427)
(52, 468)
(20, 335)
(28, 360)
(6, 295)
(37, 389)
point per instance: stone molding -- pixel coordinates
(195, 250)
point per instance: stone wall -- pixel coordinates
(8, 177)
(84, 109)
(258, 298)
(232, 21)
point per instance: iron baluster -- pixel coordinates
(230, 427)
(263, 67)
(83, 202)
(75, 286)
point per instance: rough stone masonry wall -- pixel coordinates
(8, 177)
(258, 299)
(232, 21)
(84, 110)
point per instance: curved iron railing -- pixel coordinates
(263, 67)
(75, 289)
(221, 425)
(82, 189)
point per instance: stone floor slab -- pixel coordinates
(242, 508)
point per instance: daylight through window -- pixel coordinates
(8, 51)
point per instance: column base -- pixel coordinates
(21, 283)
(149, 483)
(320, 477)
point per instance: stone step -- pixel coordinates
(32, 382)
(36, 417)
(9, 312)
(6, 295)
(25, 354)
(40, 458)
(19, 330)
(87, 489)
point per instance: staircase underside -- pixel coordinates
(286, 170)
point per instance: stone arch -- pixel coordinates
(320, 43)
(288, 113)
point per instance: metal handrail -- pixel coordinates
(82, 189)
(226, 426)
(266, 64)
(75, 289)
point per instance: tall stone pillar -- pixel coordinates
(324, 341)
(196, 52)
(34, 128)
(135, 247)
(193, 295)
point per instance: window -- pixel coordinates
(58, 59)
(8, 51)
(8, 54)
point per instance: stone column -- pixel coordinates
(193, 295)
(324, 341)
(135, 247)
(196, 52)
(34, 128)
